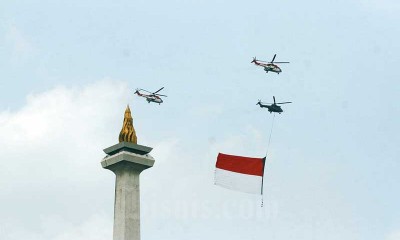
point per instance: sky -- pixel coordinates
(69, 68)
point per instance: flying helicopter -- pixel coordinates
(273, 107)
(152, 97)
(268, 66)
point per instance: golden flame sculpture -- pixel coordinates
(128, 133)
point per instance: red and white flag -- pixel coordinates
(243, 174)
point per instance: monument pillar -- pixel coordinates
(127, 160)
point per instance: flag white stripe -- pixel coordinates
(238, 181)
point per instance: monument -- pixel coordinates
(127, 160)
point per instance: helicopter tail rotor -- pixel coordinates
(254, 60)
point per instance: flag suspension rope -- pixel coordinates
(270, 134)
(265, 159)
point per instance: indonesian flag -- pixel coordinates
(243, 174)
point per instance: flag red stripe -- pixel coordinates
(245, 165)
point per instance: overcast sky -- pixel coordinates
(68, 70)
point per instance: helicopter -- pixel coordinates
(268, 66)
(273, 107)
(152, 97)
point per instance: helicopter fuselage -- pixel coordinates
(153, 99)
(272, 68)
(150, 97)
(268, 67)
(272, 108)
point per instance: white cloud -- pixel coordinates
(20, 43)
(95, 227)
(67, 124)
(395, 235)
(50, 167)
(387, 6)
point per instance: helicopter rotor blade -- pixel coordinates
(281, 62)
(144, 90)
(273, 58)
(274, 99)
(158, 90)
(283, 102)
